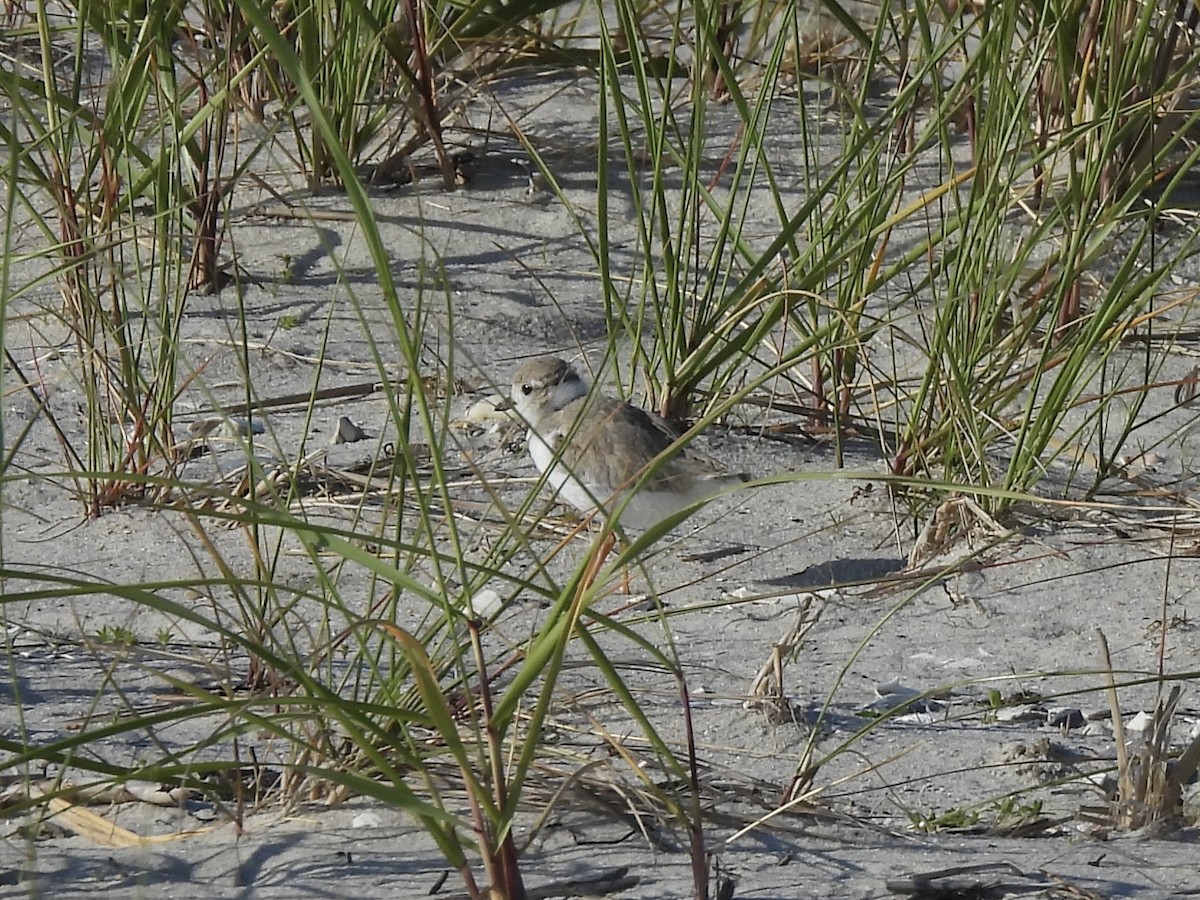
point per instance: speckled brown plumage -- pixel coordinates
(597, 448)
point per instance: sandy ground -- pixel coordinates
(1016, 735)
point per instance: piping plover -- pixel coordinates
(596, 448)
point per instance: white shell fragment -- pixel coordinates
(1140, 722)
(486, 603)
(892, 696)
(489, 411)
(1021, 714)
(348, 432)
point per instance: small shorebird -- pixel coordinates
(597, 449)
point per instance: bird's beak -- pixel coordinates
(505, 404)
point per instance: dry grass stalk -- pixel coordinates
(1149, 782)
(959, 516)
(766, 692)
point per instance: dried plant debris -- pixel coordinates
(767, 690)
(983, 882)
(957, 519)
(1150, 777)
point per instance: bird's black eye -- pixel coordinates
(527, 389)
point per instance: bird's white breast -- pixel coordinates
(559, 477)
(641, 510)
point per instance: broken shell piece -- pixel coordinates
(1021, 714)
(892, 697)
(1140, 722)
(348, 432)
(486, 603)
(491, 409)
(367, 819)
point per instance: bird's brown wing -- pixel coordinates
(617, 442)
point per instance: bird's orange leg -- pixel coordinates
(599, 556)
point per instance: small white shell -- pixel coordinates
(348, 432)
(488, 411)
(486, 603)
(1140, 722)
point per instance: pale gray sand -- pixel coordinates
(1033, 606)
